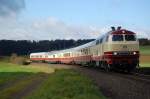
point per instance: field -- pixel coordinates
(44, 82)
(145, 50)
(144, 56)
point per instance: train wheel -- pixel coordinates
(132, 68)
(107, 67)
(92, 63)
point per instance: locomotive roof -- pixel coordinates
(122, 31)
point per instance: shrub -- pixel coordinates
(18, 60)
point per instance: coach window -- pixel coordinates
(86, 51)
(68, 55)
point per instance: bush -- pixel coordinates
(18, 60)
(26, 62)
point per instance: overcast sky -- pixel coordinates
(71, 19)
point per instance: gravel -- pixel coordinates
(117, 87)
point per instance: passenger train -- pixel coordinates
(116, 49)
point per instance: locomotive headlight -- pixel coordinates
(134, 53)
(115, 53)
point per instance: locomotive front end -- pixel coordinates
(122, 50)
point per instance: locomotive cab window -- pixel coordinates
(130, 38)
(117, 37)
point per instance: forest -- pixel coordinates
(25, 47)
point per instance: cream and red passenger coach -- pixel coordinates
(117, 49)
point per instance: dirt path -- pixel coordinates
(30, 88)
(38, 81)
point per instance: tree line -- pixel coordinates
(144, 41)
(25, 47)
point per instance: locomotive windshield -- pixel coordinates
(120, 37)
(130, 38)
(117, 38)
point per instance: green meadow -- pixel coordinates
(145, 50)
(145, 56)
(39, 82)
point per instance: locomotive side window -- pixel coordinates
(101, 40)
(107, 38)
(117, 38)
(97, 42)
(130, 38)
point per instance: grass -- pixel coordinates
(18, 86)
(144, 65)
(9, 72)
(145, 50)
(67, 84)
(145, 53)
(9, 67)
(59, 84)
(14, 78)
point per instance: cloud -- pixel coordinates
(57, 29)
(142, 32)
(11, 7)
(53, 28)
(49, 28)
(45, 29)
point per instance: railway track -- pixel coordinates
(133, 75)
(142, 77)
